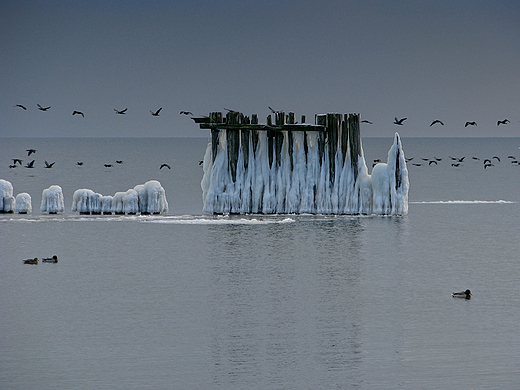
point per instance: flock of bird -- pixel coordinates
(118, 112)
(457, 161)
(18, 162)
(400, 122)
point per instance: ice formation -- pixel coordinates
(23, 203)
(152, 198)
(7, 201)
(301, 182)
(148, 198)
(52, 200)
(86, 201)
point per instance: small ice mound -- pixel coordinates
(6, 197)
(106, 204)
(23, 203)
(86, 201)
(131, 202)
(152, 198)
(117, 203)
(52, 200)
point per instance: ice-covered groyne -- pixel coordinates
(7, 200)
(298, 168)
(148, 198)
(10, 204)
(52, 200)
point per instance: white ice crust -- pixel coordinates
(52, 200)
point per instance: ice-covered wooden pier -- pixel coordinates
(287, 167)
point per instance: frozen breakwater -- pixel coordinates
(148, 198)
(286, 168)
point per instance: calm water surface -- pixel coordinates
(191, 301)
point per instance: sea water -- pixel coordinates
(187, 300)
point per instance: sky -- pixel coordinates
(456, 61)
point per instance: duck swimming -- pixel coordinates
(31, 261)
(463, 294)
(53, 259)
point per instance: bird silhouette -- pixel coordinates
(17, 160)
(488, 165)
(30, 151)
(365, 121)
(108, 165)
(435, 122)
(399, 121)
(455, 165)
(186, 113)
(80, 163)
(12, 166)
(43, 108)
(30, 165)
(49, 165)
(156, 113)
(201, 162)
(165, 166)
(19, 105)
(504, 122)
(122, 112)
(78, 113)
(470, 124)
(497, 158)
(119, 161)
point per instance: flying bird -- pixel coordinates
(30, 151)
(43, 108)
(78, 113)
(19, 105)
(399, 121)
(49, 165)
(12, 166)
(365, 121)
(80, 163)
(122, 112)
(30, 165)
(186, 113)
(435, 122)
(488, 165)
(108, 165)
(119, 161)
(201, 162)
(455, 165)
(156, 113)
(164, 166)
(504, 122)
(17, 160)
(470, 124)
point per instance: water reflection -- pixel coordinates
(284, 303)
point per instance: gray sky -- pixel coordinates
(456, 61)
